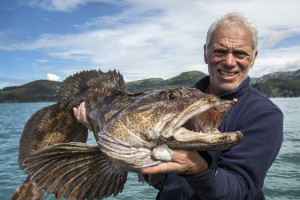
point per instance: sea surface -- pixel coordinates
(282, 182)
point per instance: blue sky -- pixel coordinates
(52, 39)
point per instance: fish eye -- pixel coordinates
(171, 95)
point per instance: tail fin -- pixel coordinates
(75, 171)
(28, 191)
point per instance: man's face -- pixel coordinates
(229, 57)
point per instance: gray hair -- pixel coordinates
(234, 17)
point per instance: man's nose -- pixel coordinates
(230, 60)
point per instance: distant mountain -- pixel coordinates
(185, 79)
(279, 84)
(36, 91)
(290, 75)
(45, 91)
(279, 88)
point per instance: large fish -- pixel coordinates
(126, 127)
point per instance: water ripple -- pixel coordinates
(282, 182)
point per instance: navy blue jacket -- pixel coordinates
(237, 173)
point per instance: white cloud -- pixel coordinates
(164, 44)
(53, 77)
(281, 59)
(163, 38)
(61, 5)
(274, 37)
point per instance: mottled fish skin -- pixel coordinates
(153, 118)
(126, 127)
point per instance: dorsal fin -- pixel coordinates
(111, 81)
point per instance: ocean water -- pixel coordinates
(282, 182)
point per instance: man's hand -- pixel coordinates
(183, 162)
(80, 115)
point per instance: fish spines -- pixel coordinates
(111, 81)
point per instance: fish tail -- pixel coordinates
(28, 191)
(75, 171)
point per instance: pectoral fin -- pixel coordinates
(50, 125)
(75, 171)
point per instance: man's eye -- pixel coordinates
(220, 52)
(240, 54)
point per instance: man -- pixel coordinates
(237, 173)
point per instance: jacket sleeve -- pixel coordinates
(240, 171)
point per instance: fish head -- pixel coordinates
(151, 112)
(182, 115)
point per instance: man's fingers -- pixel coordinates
(183, 162)
(164, 167)
(80, 115)
(78, 112)
(82, 112)
(75, 110)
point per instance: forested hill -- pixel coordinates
(185, 79)
(290, 75)
(36, 91)
(279, 84)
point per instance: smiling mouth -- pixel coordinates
(227, 74)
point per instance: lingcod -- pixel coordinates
(126, 126)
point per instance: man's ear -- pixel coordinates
(205, 56)
(253, 60)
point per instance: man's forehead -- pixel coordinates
(237, 36)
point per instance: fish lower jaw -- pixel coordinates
(214, 137)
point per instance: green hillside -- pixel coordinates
(290, 75)
(45, 91)
(279, 84)
(185, 79)
(36, 91)
(279, 88)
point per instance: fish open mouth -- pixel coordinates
(198, 126)
(209, 120)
